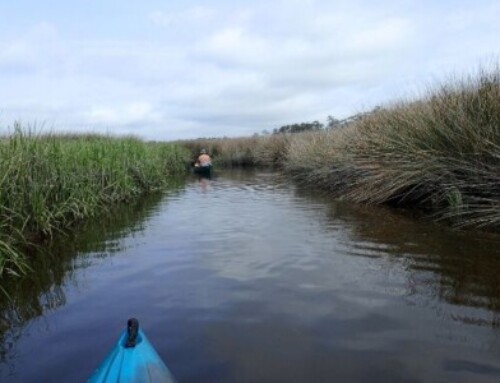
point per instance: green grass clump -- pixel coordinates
(49, 182)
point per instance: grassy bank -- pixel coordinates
(49, 182)
(440, 154)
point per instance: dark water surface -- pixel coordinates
(245, 278)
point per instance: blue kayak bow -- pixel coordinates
(133, 359)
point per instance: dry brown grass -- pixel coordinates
(243, 151)
(441, 153)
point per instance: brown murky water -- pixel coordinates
(245, 278)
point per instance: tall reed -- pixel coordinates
(49, 182)
(440, 153)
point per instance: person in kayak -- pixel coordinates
(203, 159)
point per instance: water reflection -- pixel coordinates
(460, 268)
(246, 278)
(56, 265)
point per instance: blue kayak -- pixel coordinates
(133, 359)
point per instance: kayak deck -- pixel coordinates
(139, 363)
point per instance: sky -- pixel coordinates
(165, 70)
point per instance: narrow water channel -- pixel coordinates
(246, 278)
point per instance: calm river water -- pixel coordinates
(246, 278)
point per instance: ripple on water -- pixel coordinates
(247, 278)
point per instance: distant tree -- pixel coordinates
(302, 127)
(333, 122)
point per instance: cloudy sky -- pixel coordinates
(186, 69)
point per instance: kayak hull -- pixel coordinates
(202, 170)
(135, 364)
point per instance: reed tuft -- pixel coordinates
(440, 153)
(49, 182)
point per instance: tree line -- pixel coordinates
(331, 123)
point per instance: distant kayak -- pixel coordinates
(133, 359)
(202, 170)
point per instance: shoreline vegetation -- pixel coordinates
(439, 154)
(48, 183)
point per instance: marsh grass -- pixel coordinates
(242, 151)
(440, 153)
(50, 182)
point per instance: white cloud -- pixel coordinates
(160, 18)
(37, 49)
(388, 35)
(220, 68)
(193, 14)
(138, 112)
